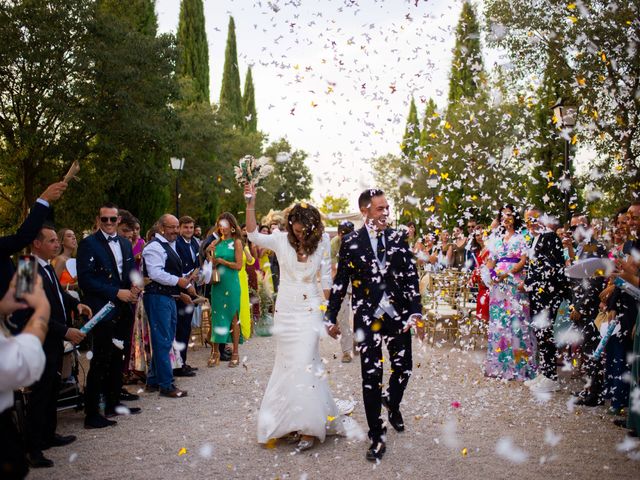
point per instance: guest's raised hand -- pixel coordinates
(53, 192)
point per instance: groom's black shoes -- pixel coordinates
(395, 417)
(376, 450)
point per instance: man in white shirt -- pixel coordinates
(22, 362)
(163, 266)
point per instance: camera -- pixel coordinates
(26, 275)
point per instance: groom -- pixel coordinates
(386, 302)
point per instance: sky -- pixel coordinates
(335, 77)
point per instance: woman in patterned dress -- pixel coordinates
(511, 351)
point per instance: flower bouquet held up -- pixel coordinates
(251, 170)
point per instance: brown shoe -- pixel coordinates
(173, 393)
(346, 357)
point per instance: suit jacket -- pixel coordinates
(98, 273)
(585, 291)
(357, 264)
(185, 250)
(12, 244)
(546, 280)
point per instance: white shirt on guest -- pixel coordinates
(115, 248)
(21, 364)
(155, 258)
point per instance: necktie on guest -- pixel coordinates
(380, 249)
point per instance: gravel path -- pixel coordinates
(459, 425)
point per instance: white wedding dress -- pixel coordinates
(297, 398)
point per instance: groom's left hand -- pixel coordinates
(333, 330)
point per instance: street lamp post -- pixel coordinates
(177, 164)
(566, 118)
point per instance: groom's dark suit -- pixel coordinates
(371, 279)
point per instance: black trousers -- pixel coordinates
(593, 368)
(371, 364)
(105, 369)
(544, 336)
(42, 412)
(13, 462)
(183, 328)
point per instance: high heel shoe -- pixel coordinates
(235, 360)
(214, 359)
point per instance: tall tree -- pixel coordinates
(249, 104)
(230, 94)
(138, 15)
(409, 160)
(193, 61)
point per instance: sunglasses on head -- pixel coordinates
(108, 219)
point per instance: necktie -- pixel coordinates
(54, 280)
(380, 250)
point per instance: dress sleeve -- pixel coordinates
(271, 242)
(325, 263)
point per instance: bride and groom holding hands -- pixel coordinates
(379, 265)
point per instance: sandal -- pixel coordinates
(214, 359)
(235, 361)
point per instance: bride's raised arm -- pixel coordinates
(265, 241)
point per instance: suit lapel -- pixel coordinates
(365, 245)
(51, 290)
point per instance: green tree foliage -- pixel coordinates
(331, 204)
(137, 15)
(291, 180)
(193, 61)
(230, 95)
(597, 40)
(386, 173)
(249, 104)
(80, 83)
(410, 149)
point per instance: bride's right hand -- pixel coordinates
(250, 190)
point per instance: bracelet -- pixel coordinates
(250, 209)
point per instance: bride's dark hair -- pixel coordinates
(309, 217)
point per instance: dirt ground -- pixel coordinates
(459, 425)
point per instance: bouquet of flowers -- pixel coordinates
(251, 170)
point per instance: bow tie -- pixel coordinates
(112, 239)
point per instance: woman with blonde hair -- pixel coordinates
(69, 246)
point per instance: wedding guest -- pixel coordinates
(126, 225)
(511, 351)
(22, 362)
(69, 244)
(457, 255)
(163, 266)
(105, 262)
(480, 252)
(226, 256)
(345, 314)
(411, 233)
(264, 255)
(444, 250)
(424, 250)
(248, 260)
(187, 248)
(42, 414)
(138, 244)
(585, 306)
(197, 233)
(252, 273)
(546, 285)
(11, 244)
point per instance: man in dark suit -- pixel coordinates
(105, 262)
(12, 244)
(546, 284)
(187, 248)
(386, 301)
(41, 419)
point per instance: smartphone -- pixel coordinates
(26, 276)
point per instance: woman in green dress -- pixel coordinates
(226, 257)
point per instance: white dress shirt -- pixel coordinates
(117, 251)
(155, 258)
(385, 305)
(21, 364)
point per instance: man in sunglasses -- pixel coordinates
(105, 262)
(584, 307)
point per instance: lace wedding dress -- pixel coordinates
(297, 398)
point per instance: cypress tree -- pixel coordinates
(466, 66)
(411, 137)
(408, 163)
(193, 61)
(430, 122)
(230, 95)
(249, 104)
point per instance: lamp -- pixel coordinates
(177, 164)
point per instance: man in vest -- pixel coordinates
(163, 266)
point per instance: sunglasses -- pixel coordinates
(108, 219)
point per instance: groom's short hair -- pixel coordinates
(364, 200)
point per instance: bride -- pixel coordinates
(297, 403)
